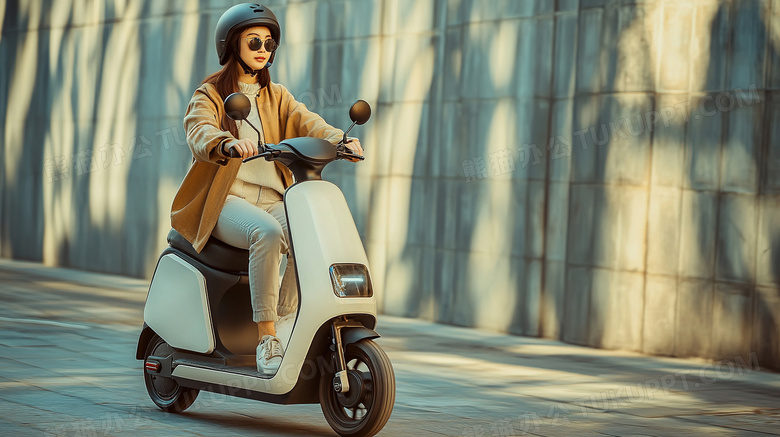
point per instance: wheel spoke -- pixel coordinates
(368, 400)
(368, 389)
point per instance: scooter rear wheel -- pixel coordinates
(365, 409)
(166, 393)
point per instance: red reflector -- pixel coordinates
(152, 365)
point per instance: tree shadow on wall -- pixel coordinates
(718, 309)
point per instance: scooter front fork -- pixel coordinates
(340, 381)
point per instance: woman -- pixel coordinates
(241, 203)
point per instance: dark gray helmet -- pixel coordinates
(240, 17)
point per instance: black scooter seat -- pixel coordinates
(216, 254)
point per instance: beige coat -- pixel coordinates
(204, 189)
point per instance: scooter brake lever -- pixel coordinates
(351, 155)
(266, 154)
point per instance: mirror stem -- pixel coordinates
(262, 146)
(344, 141)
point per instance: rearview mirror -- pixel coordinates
(360, 112)
(237, 106)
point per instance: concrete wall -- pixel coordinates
(605, 172)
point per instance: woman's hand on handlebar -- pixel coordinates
(353, 144)
(245, 148)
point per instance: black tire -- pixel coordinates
(368, 405)
(166, 393)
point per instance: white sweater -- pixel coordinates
(257, 172)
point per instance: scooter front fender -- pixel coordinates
(350, 335)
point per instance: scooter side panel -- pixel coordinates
(179, 288)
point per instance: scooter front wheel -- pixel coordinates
(166, 393)
(367, 406)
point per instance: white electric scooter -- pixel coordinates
(198, 331)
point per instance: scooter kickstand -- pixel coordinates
(340, 380)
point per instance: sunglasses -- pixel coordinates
(256, 43)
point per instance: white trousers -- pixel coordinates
(257, 222)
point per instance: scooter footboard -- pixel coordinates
(319, 361)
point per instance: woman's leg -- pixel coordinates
(288, 293)
(246, 226)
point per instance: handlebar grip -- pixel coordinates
(234, 153)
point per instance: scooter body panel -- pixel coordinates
(323, 234)
(178, 288)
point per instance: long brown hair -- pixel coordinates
(226, 80)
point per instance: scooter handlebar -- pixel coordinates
(263, 154)
(344, 154)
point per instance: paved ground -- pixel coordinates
(67, 367)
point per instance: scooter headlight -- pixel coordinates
(351, 280)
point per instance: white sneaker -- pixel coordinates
(269, 354)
